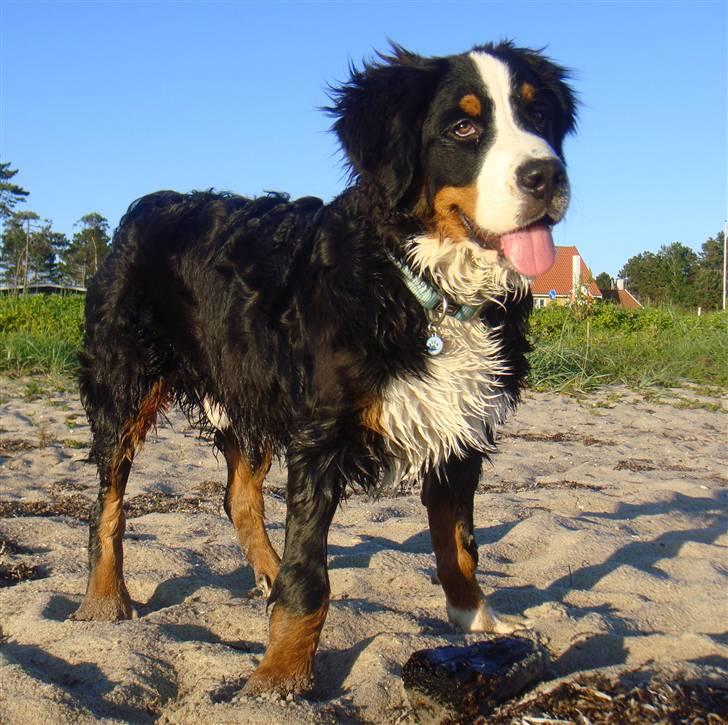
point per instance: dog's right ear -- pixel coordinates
(379, 116)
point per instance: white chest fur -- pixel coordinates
(449, 410)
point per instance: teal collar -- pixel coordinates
(429, 297)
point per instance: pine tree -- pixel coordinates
(15, 254)
(10, 194)
(677, 275)
(709, 275)
(87, 249)
(30, 250)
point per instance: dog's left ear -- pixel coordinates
(555, 77)
(379, 116)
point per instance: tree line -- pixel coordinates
(677, 275)
(33, 252)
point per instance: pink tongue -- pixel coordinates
(530, 250)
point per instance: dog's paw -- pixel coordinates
(104, 609)
(263, 583)
(262, 588)
(485, 619)
(266, 680)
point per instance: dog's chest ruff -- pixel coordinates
(455, 406)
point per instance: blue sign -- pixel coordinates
(552, 294)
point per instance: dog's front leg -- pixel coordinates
(301, 589)
(448, 494)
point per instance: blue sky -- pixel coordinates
(101, 102)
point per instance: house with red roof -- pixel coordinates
(569, 277)
(620, 296)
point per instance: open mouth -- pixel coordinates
(529, 249)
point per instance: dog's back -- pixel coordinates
(189, 277)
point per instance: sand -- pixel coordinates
(602, 519)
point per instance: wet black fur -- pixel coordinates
(288, 313)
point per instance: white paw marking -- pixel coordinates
(482, 619)
(263, 583)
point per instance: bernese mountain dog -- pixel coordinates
(376, 339)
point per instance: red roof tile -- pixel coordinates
(559, 276)
(621, 297)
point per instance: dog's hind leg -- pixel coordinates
(244, 507)
(107, 597)
(448, 495)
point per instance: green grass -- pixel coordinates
(580, 350)
(574, 349)
(40, 334)
(43, 315)
(24, 353)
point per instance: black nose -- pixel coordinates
(541, 177)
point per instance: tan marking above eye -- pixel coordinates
(528, 92)
(470, 104)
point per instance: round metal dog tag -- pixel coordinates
(434, 344)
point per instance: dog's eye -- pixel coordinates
(464, 129)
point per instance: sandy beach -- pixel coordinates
(602, 519)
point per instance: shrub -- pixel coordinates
(40, 333)
(578, 349)
(659, 318)
(650, 346)
(44, 315)
(613, 317)
(550, 321)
